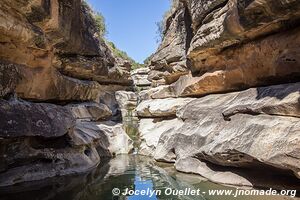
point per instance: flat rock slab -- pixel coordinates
(20, 118)
(90, 111)
(150, 131)
(161, 107)
(259, 125)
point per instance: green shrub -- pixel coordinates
(122, 54)
(161, 25)
(148, 59)
(100, 24)
(99, 21)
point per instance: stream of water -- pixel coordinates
(126, 172)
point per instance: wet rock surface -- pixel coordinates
(122, 172)
(40, 140)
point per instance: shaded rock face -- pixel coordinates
(56, 115)
(90, 111)
(36, 143)
(57, 47)
(40, 140)
(259, 126)
(26, 119)
(230, 45)
(8, 78)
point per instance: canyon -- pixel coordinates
(219, 98)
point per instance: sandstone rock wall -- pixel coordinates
(58, 110)
(228, 45)
(201, 114)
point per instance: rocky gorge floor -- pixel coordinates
(220, 97)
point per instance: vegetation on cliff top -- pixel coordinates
(122, 54)
(102, 31)
(161, 25)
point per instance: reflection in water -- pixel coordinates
(124, 172)
(146, 185)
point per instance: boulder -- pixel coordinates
(108, 138)
(108, 97)
(140, 77)
(24, 119)
(37, 142)
(258, 126)
(90, 111)
(126, 99)
(160, 92)
(161, 107)
(127, 102)
(150, 131)
(119, 141)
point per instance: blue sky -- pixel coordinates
(131, 24)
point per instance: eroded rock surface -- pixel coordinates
(161, 107)
(140, 78)
(59, 51)
(150, 132)
(230, 45)
(90, 111)
(20, 119)
(242, 129)
(213, 50)
(51, 53)
(40, 140)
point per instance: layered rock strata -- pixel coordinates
(214, 51)
(228, 45)
(58, 77)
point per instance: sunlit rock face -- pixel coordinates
(230, 45)
(227, 47)
(140, 78)
(248, 129)
(169, 61)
